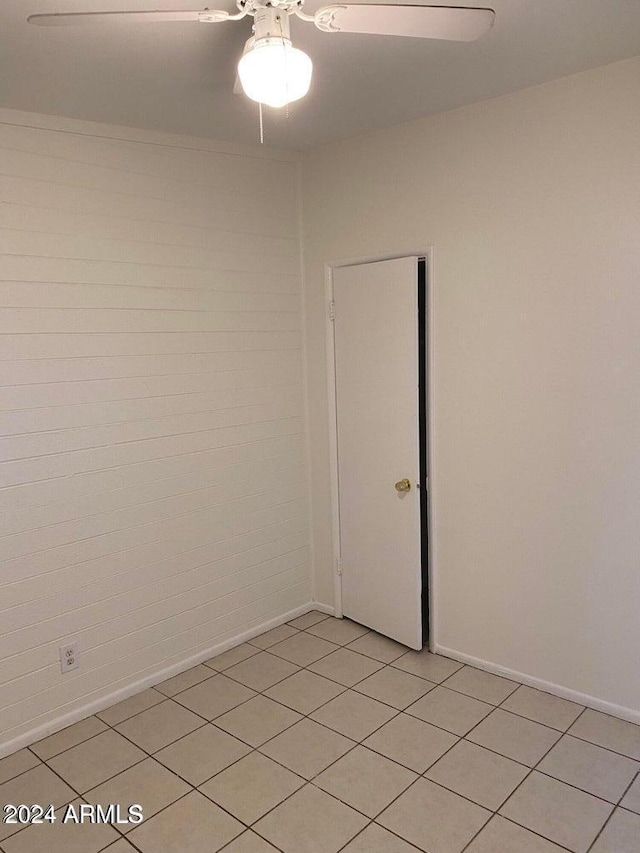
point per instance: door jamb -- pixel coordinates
(329, 267)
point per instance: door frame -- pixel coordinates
(329, 267)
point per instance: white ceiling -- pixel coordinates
(179, 77)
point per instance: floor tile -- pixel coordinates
(39, 785)
(353, 715)
(543, 707)
(307, 748)
(433, 818)
(517, 738)
(184, 680)
(620, 835)
(377, 839)
(394, 687)
(149, 784)
(450, 710)
(231, 657)
(365, 780)
(275, 635)
(340, 631)
(249, 842)
(374, 645)
(131, 706)
(310, 822)
(593, 769)
(609, 732)
(411, 742)
(426, 665)
(59, 837)
(631, 799)
(558, 812)
(308, 619)
(503, 836)
(191, 825)
(66, 738)
(262, 671)
(257, 720)
(481, 685)
(96, 760)
(252, 787)
(303, 649)
(160, 725)
(200, 755)
(214, 697)
(346, 667)
(304, 691)
(478, 774)
(17, 763)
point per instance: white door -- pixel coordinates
(376, 356)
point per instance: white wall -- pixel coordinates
(153, 496)
(532, 205)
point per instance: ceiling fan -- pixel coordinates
(271, 71)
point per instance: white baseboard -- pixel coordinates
(324, 608)
(619, 711)
(155, 677)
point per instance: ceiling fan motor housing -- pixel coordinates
(270, 22)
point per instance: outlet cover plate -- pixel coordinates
(69, 657)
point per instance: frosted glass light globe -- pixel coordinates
(273, 72)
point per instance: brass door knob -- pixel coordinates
(403, 485)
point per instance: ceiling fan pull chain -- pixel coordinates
(261, 123)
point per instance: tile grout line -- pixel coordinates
(301, 668)
(615, 808)
(62, 805)
(531, 769)
(517, 788)
(384, 665)
(149, 755)
(152, 755)
(344, 688)
(351, 749)
(599, 745)
(252, 748)
(562, 733)
(205, 722)
(460, 738)
(74, 745)
(311, 781)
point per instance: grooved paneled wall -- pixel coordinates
(153, 496)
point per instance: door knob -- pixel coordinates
(403, 485)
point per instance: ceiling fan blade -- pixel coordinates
(454, 23)
(71, 18)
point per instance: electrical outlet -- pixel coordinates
(69, 657)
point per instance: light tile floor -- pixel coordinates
(321, 736)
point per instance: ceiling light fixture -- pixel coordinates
(272, 71)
